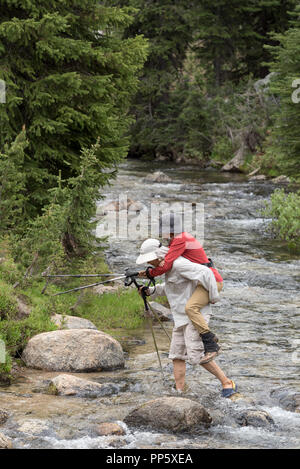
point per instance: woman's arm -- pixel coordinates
(176, 249)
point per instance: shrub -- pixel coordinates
(284, 209)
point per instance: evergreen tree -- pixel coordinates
(12, 184)
(167, 26)
(69, 79)
(286, 85)
(231, 36)
(65, 228)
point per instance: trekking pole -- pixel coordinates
(147, 309)
(89, 286)
(80, 275)
(156, 348)
(158, 319)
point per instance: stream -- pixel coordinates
(257, 321)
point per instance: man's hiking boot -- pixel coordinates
(211, 348)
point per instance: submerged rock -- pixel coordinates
(255, 418)
(5, 443)
(109, 428)
(68, 385)
(72, 322)
(157, 176)
(175, 414)
(241, 399)
(3, 416)
(288, 399)
(76, 350)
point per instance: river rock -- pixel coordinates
(163, 313)
(288, 399)
(157, 176)
(3, 416)
(72, 322)
(109, 428)
(33, 426)
(241, 399)
(281, 180)
(255, 418)
(259, 177)
(123, 204)
(175, 414)
(75, 350)
(68, 385)
(5, 443)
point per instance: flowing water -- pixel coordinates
(257, 321)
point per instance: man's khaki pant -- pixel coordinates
(198, 300)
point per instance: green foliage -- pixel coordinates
(285, 134)
(178, 109)
(17, 333)
(284, 209)
(231, 35)
(120, 310)
(65, 228)
(12, 183)
(167, 26)
(8, 303)
(70, 78)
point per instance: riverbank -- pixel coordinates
(26, 311)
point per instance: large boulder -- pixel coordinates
(68, 385)
(288, 399)
(175, 414)
(75, 350)
(5, 443)
(72, 322)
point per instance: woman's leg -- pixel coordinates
(198, 300)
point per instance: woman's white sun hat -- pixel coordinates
(149, 251)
